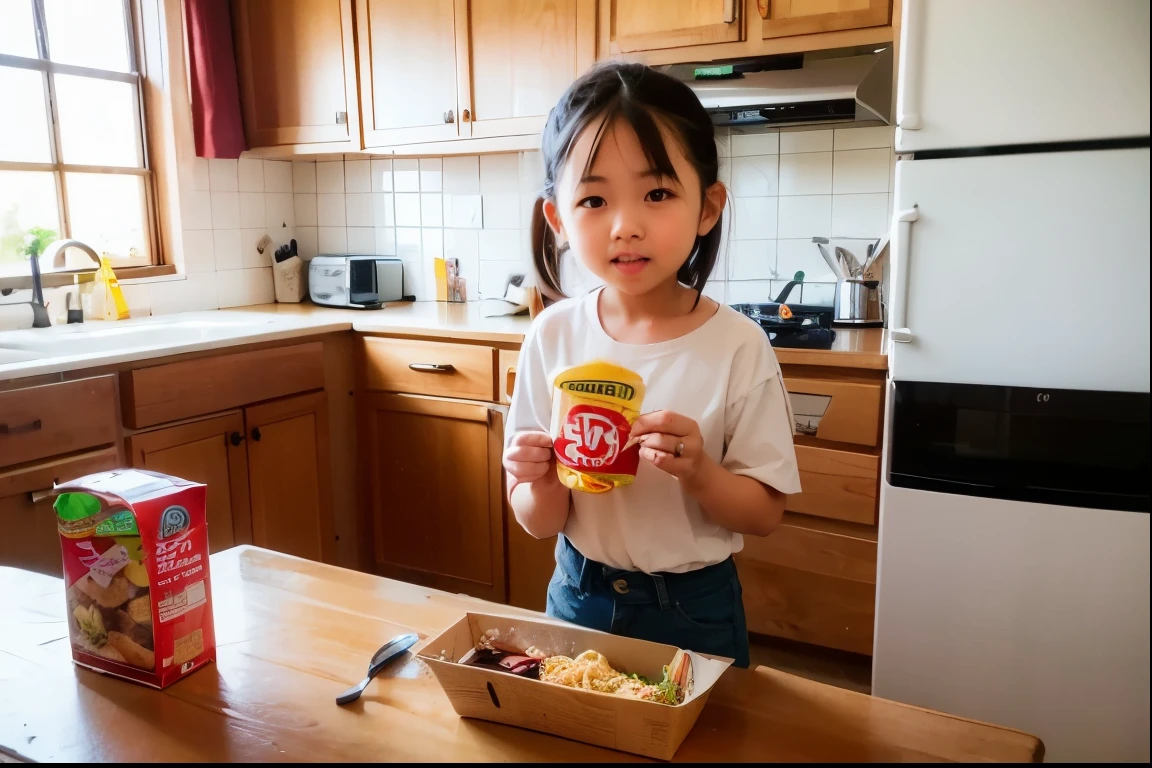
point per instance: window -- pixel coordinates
(72, 152)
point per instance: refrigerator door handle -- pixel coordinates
(898, 311)
(911, 43)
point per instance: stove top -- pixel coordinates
(792, 326)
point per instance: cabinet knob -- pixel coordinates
(235, 438)
(256, 434)
(449, 116)
(466, 116)
(341, 118)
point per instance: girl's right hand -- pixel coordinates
(529, 457)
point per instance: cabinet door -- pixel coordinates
(209, 451)
(290, 476)
(648, 25)
(523, 55)
(436, 493)
(409, 80)
(808, 17)
(531, 562)
(296, 63)
(28, 537)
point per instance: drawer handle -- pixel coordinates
(6, 429)
(432, 368)
(510, 382)
(39, 496)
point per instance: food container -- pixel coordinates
(135, 550)
(631, 725)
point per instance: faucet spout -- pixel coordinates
(54, 253)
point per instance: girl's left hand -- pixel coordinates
(671, 442)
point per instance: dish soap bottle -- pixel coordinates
(108, 301)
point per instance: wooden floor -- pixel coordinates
(824, 665)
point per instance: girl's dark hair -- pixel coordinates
(643, 98)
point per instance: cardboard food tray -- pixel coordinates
(641, 727)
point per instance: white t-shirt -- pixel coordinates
(723, 374)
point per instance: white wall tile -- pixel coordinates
(756, 176)
(386, 241)
(501, 211)
(199, 251)
(361, 240)
(861, 171)
(531, 174)
(138, 297)
(225, 210)
(809, 173)
(431, 209)
(250, 175)
(331, 210)
(822, 294)
(360, 210)
(717, 290)
(200, 177)
(279, 211)
(754, 143)
(724, 172)
(307, 242)
(431, 174)
(332, 239)
(754, 218)
(860, 215)
(385, 209)
(500, 174)
(432, 243)
(304, 176)
(809, 216)
(382, 175)
(864, 138)
(226, 245)
(406, 175)
(408, 243)
(462, 175)
(222, 175)
(196, 210)
(500, 244)
(246, 287)
(305, 207)
(330, 177)
(801, 255)
(407, 209)
(462, 211)
(723, 142)
(792, 142)
(277, 176)
(463, 244)
(195, 293)
(752, 260)
(494, 277)
(357, 176)
(252, 210)
(250, 256)
(749, 291)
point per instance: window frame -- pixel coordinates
(152, 258)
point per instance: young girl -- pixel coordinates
(631, 190)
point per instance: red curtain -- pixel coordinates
(216, 120)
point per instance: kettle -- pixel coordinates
(858, 300)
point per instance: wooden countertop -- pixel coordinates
(292, 634)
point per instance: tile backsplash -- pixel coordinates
(786, 187)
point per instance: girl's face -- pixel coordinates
(628, 225)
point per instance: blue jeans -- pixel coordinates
(700, 610)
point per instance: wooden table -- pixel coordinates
(292, 634)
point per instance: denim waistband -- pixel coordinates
(637, 587)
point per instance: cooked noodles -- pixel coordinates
(591, 671)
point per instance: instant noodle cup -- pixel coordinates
(593, 409)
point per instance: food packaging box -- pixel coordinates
(135, 548)
(632, 725)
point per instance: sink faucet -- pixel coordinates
(54, 254)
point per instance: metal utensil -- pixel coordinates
(837, 270)
(389, 651)
(851, 265)
(875, 253)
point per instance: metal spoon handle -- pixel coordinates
(353, 693)
(383, 657)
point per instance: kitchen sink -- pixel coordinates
(103, 336)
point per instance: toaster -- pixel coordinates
(358, 282)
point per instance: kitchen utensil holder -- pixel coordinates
(288, 280)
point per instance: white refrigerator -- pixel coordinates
(1013, 564)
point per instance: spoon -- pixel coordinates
(389, 651)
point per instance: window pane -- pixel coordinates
(107, 211)
(29, 217)
(23, 130)
(17, 32)
(97, 121)
(88, 33)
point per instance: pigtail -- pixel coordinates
(545, 254)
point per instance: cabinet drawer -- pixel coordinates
(429, 368)
(838, 484)
(847, 412)
(56, 418)
(189, 388)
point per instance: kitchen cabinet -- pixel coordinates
(786, 18)
(437, 492)
(646, 25)
(296, 65)
(210, 451)
(54, 419)
(27, 519)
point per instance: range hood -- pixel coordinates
(839, 89)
